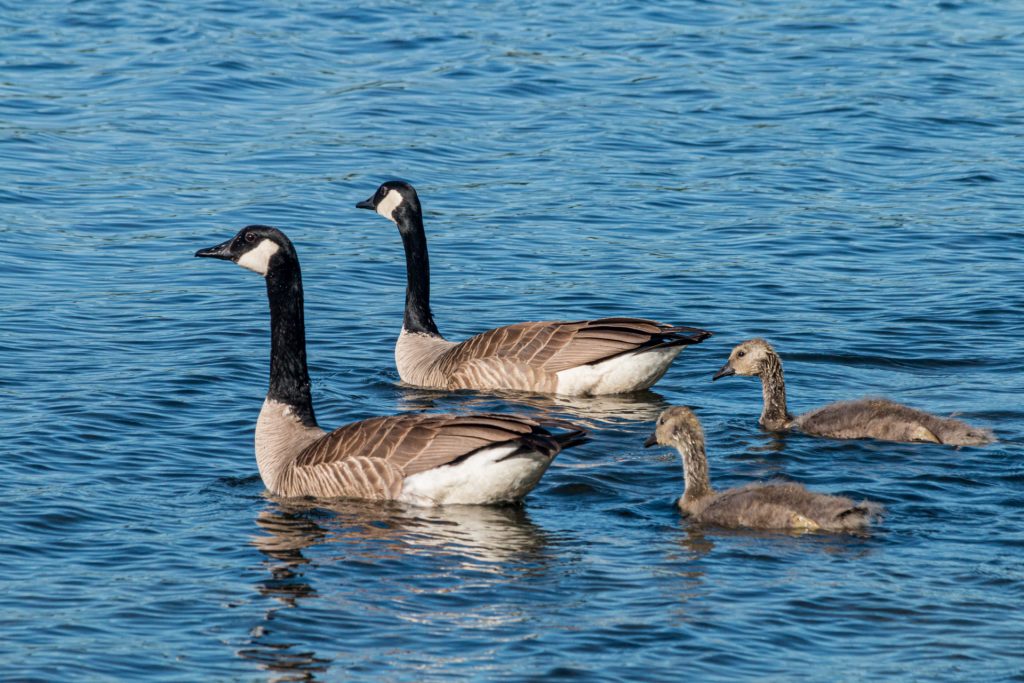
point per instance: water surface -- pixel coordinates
(841, 178)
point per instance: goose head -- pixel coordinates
(748, 358)
(677, 425)
(393, 200)
(260, 248)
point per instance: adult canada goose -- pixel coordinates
(578, 358)
(774, 505)
(866, 418)
(413, 458)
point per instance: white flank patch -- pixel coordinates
(628, 372)
(258, 259)
(478, 480)
(387, 206)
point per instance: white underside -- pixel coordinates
(478, 480)
(628, 372)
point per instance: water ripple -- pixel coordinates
(842, 179)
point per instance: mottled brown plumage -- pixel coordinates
(773, 505)
(372, 458)
(866, 418)
(528, 356)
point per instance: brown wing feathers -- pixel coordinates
(530, 343)
(645, 333)
(599, 340)
(557, 346)
(357, 477)
(417, 442)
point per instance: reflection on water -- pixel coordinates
(486, 540)
(288, 534)
(480, 537)
(770, 442)
(687, 573)
(695, 544)
(592, 412)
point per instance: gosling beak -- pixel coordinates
(724, 372)
(221, 251)
(366, 204)
(652, 440)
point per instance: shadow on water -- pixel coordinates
(299, 539)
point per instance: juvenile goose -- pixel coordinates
(413, 458)
(780, 505)
(578, 358)
(866, 418)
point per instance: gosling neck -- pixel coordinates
(774, 415)
(697, 484)
(289, 374)
(418, 318)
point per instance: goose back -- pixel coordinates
(879, 418)
(375, 458)
(530, 356)
(785, 505)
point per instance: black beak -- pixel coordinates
(221, 251)
(366, 204)
(652, 440)
(724, 372)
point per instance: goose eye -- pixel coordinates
(741, 354)
(250, 236)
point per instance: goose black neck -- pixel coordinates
(289, 374)
(417, 266)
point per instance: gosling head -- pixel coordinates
(393, 200)
(957, 433)
(676, 426)
(748, 358)
(260, 248)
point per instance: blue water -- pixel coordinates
(843, 178)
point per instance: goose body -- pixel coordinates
(414, 458)
(865, 418)
(578, 358)
(773, 505)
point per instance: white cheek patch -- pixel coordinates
(387, 206)
(258, 259)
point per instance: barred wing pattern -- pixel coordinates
(529, 355)
(371, 459)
